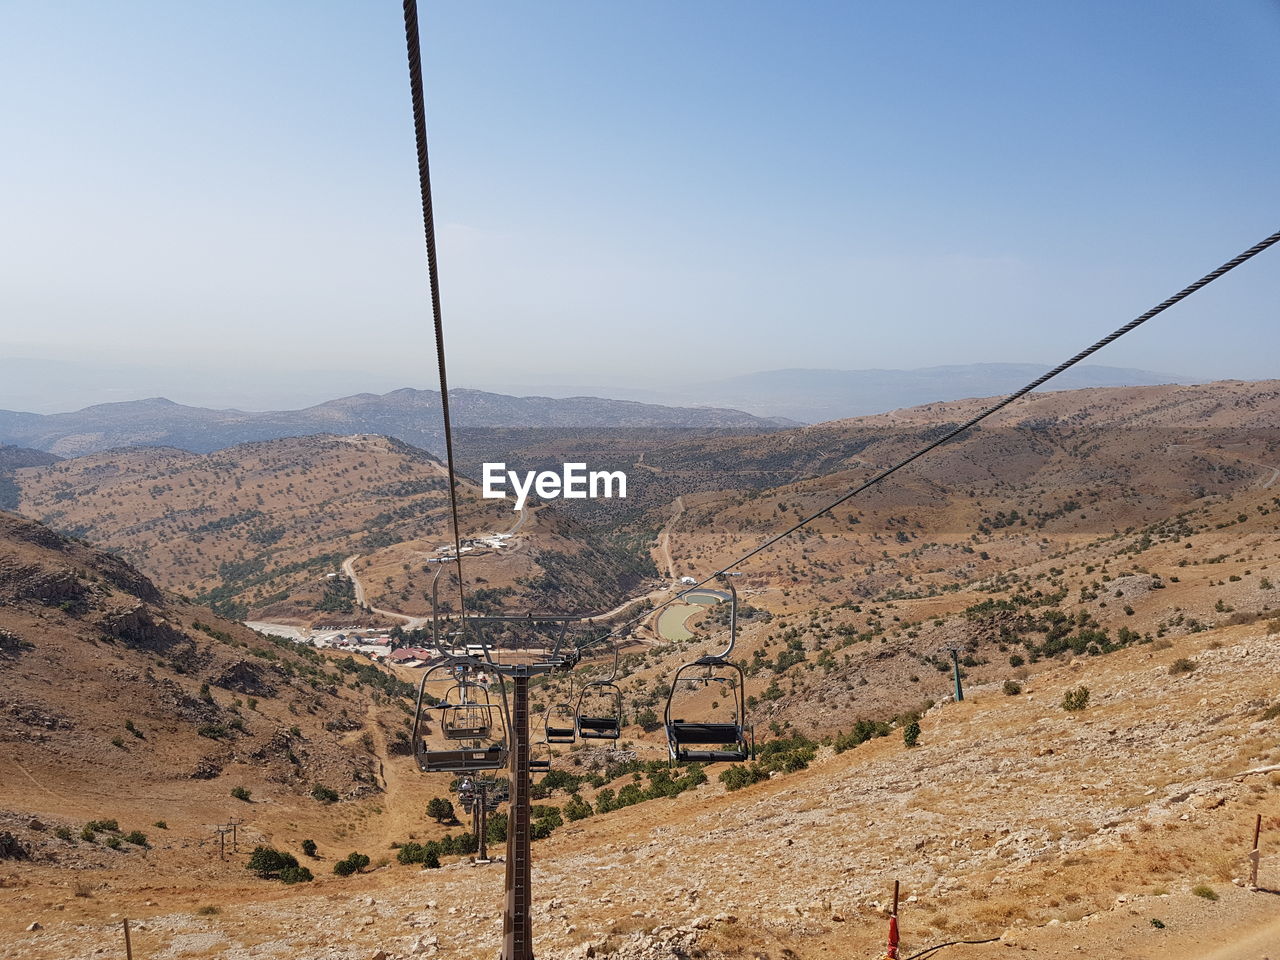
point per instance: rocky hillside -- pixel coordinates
(113, 692)
(1119, 828)
(262, 530)
(14, 458)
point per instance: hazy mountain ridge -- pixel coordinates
(407, 414)
(818, 395)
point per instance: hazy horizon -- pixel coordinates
(226, 197)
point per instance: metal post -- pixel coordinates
(955, 662)
(234, 839)
(1256, 854)
(517, 928)
(128, 944)
(483, 831)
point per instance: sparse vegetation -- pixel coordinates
(351, 863)
(1205, 891)
(1182, 666)
(911, 733)
(1075, 699)
(241, 793)
(324, 794)
(1011, 688)
(268, 862)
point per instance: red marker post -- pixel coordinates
(893, 926)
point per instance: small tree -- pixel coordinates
(440, 810)
(267, 862)
(309, 847)
(296, 875)
(911, 733)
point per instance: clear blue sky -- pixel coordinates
(634, 191)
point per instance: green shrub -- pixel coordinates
(1182, 665)
(862, 731)
(160, 825)
(87, 834)
(352, 863)
(293, 875)
(309, 847)
(324, 794)
(497, 829)
(103, 826)
(1012, 688)
(208, 910)
(1158, 924)
(742, 775)
(1076, 698)
(577, 809)
(118, 742)
(911, 733)
(240, 793)
(214, 731)
(1203, 890)
(1271, 712)
(64, 833)
(113, 842)
(267, 862)
(137, 838)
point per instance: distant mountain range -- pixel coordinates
(816, 396)
(409, 415)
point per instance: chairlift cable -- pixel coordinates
(950, 435)
(413, 43)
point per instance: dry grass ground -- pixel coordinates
(1013, 818)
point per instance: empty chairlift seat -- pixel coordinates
(600, 711)
(718, 735)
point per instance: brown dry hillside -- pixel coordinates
(1080, 524)
(114, 693)
(257, 530)
(1059, 833)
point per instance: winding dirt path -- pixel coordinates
(664, 538)
(410, 623)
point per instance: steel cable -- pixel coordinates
(413, 43)
(999, 405)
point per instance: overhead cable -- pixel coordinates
(414, 45)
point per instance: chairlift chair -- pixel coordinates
(472, 727)
(599, 713)
(710, 739)
(560, 724)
